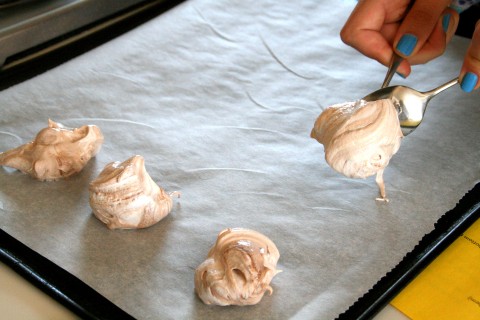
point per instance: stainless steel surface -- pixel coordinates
(31, 23)
(410, 103)
(394, 63)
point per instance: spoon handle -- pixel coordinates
(394, 63)
(432, 93)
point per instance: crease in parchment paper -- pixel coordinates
(206, 94)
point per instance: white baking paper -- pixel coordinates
(220, 97)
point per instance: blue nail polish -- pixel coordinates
(401, 75)
(446, 22)
(469, 82)
(406, 44)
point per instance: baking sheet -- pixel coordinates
(220, 97)
(81, 300)
(448, 229)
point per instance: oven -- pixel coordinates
(33, 29)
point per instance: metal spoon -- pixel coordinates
(411, 104)
(394, 63)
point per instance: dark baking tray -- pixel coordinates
(59, 284)
(447, 229)
(87, 303)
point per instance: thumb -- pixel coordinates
(471, 65)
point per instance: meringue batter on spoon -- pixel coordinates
(360, 138)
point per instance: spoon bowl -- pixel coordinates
(410, 103)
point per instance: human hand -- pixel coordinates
(418, 34)
(471, 65)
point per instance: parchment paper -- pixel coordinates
(220, 97)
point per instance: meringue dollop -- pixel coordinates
(238, 268)
(125, 196)
(359, 138)
(56, 152)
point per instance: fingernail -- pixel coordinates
(469, 82)
(406, 44)
(401, 75)
(446, 21)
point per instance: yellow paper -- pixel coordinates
(449, 288)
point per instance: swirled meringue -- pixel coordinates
(56, 152)
(124, 196)
(359, 138)
(238, 268)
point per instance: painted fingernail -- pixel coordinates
(469, 82)
(446, 21)
(406, 44)
(401, 75)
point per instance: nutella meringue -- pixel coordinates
(124, 196)
(359, 138)
(238, 268)
(57, 152)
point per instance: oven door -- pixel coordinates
(32, 30)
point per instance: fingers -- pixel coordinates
(436, 43)
(450, 19)
(471, 65)
(361, 31)
(371, 27)
(419, 25)
(419, 34)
